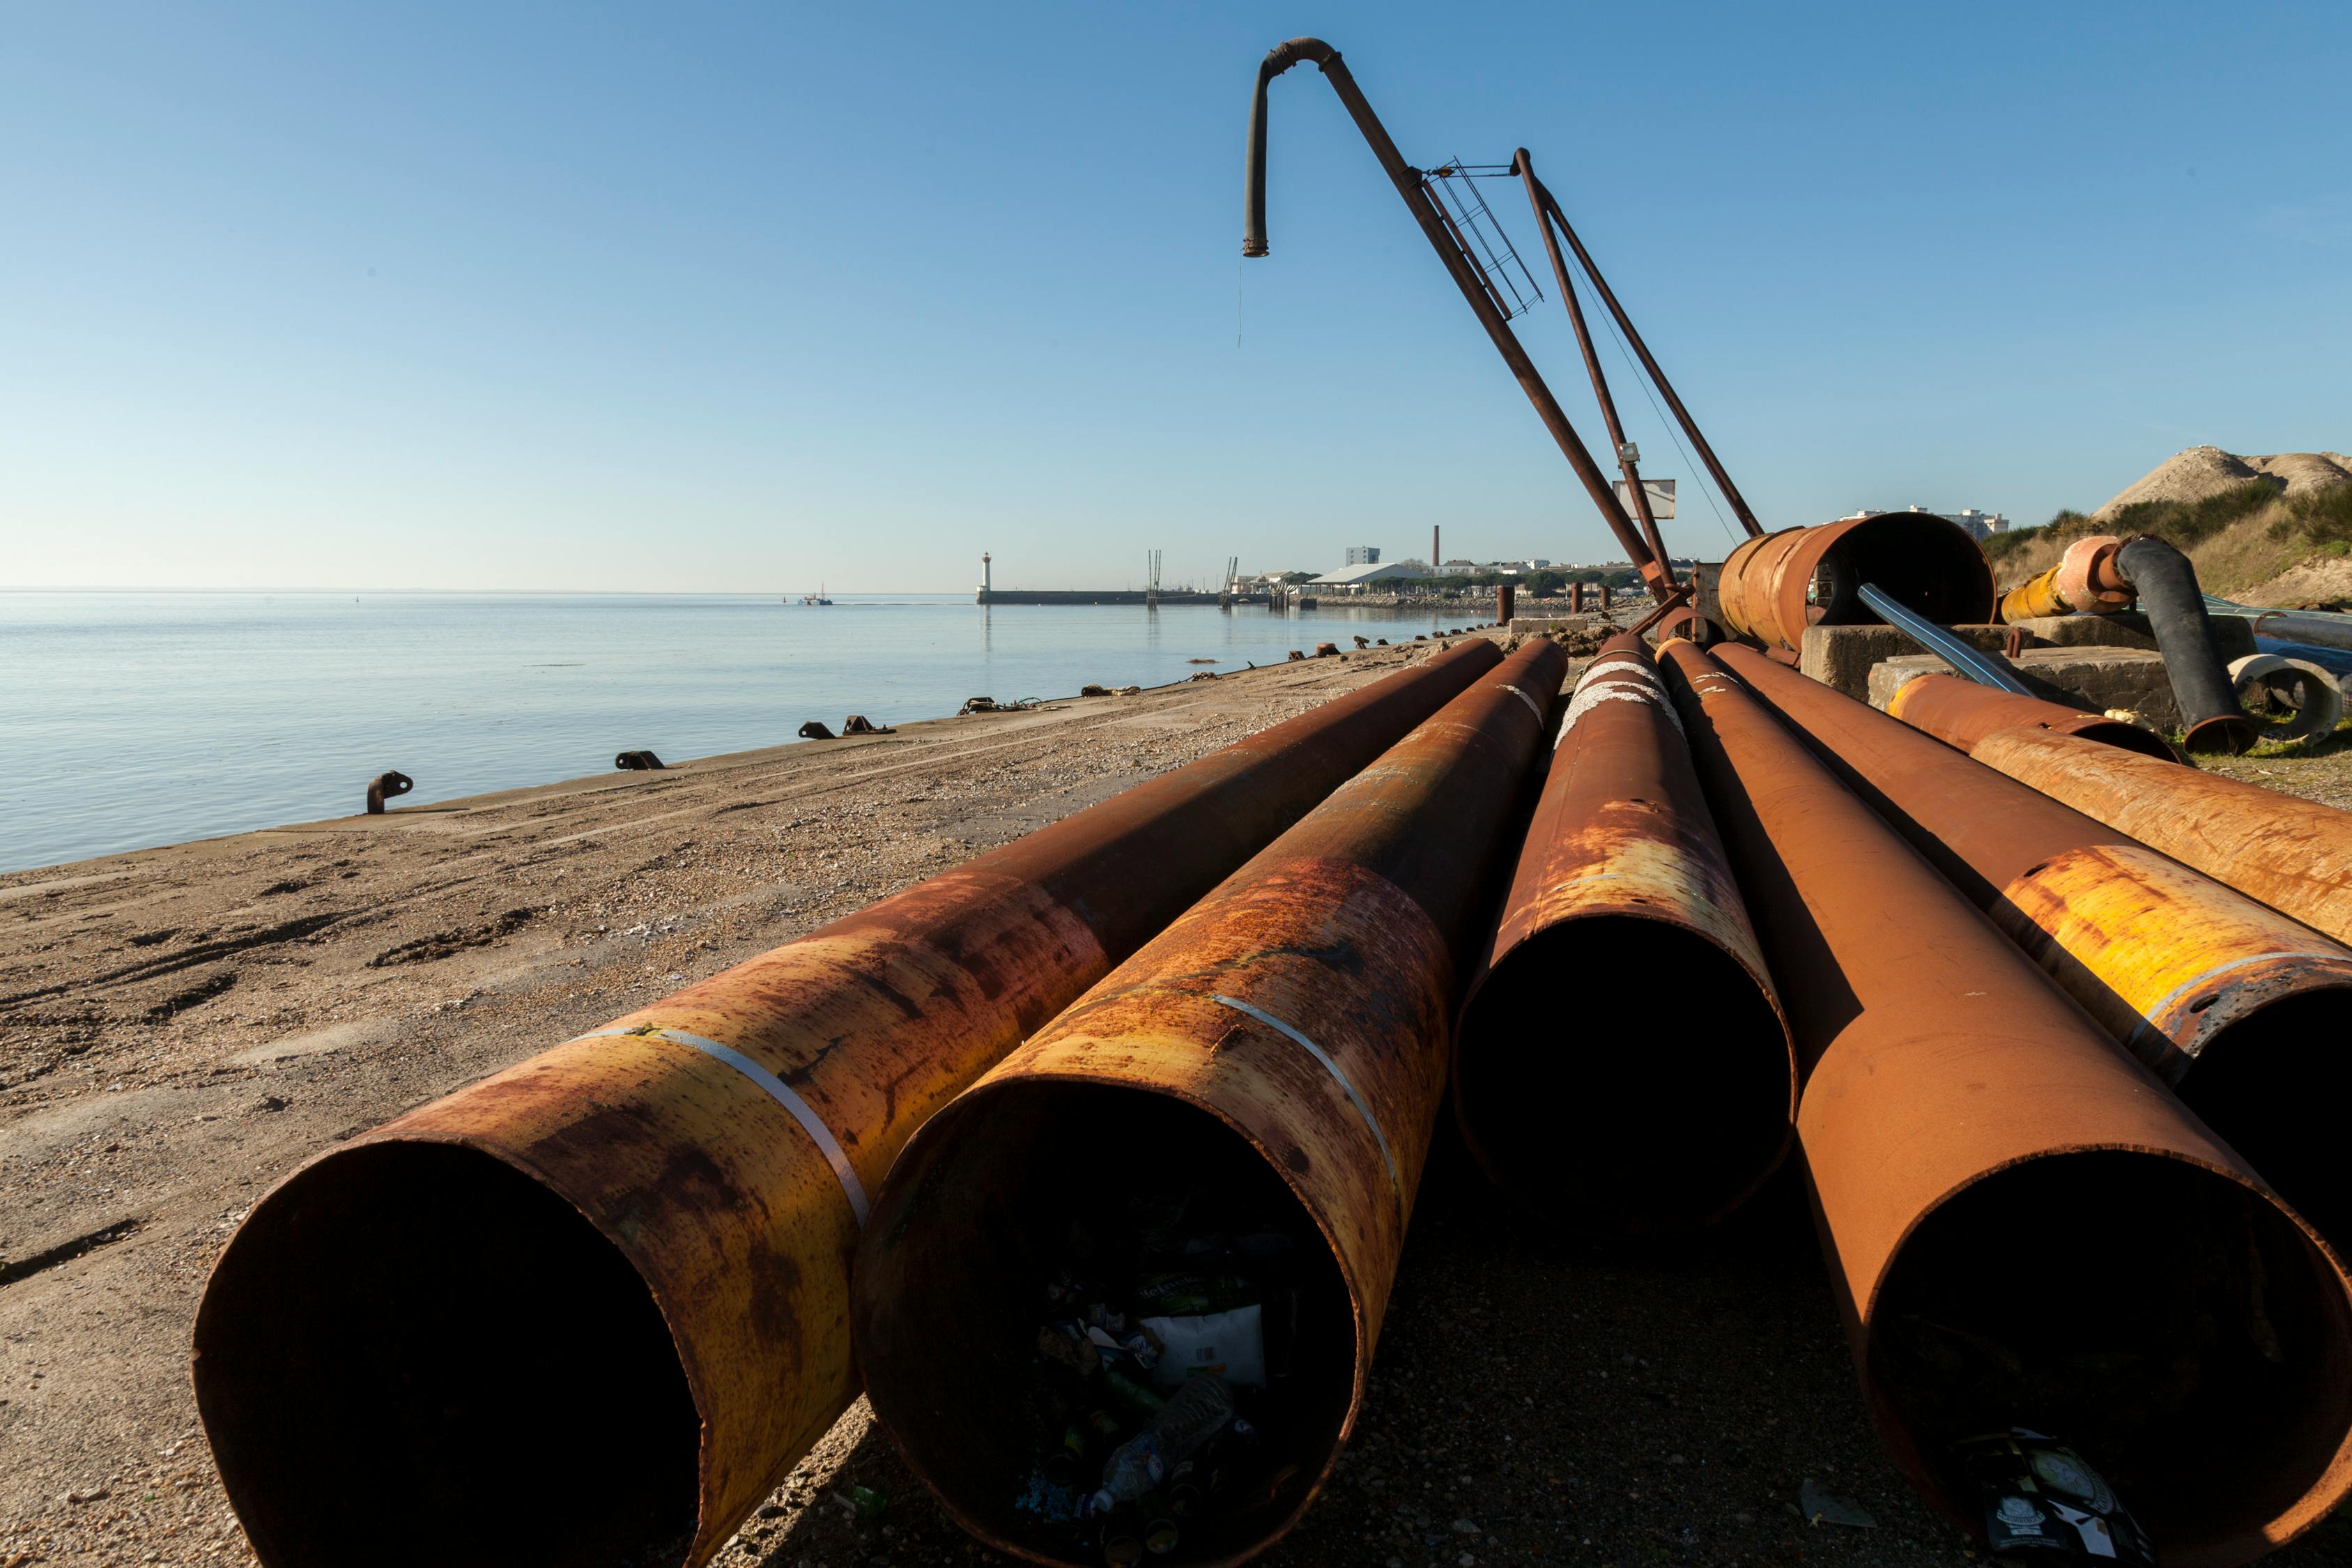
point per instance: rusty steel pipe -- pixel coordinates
(592, 1308)
(2086, 581)
(1436, 230)
(1283, 1043)
(2293, 854)
(1776, 585)
(2241, 1010)
(2188, 1335)
(1961, 713)
(1621, 874)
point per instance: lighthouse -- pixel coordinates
(983, 579)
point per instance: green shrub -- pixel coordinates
(2185, 523)
(2323, 516)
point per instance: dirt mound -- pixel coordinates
(2204, 471)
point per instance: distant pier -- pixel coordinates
(1103, 597)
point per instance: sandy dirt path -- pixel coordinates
(181, 1027)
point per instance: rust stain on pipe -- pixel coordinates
(1776, 585)
(2188, 975)
(2022, 1225)
(1961, 713)
(1622, 875)
(1285, 1037)
(613, 1279)
(2293, 854)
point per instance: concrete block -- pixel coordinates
(2097, 678)
(1842, 656)
(2130, 629)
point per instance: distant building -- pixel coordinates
(1364, 555)
(1372, 577)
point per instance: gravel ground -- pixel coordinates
(181, 1027)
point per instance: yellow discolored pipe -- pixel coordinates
(2085, 581)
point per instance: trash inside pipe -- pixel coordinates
(1232, 1124)
(2193, 1342)
(1622, 890)
(591, 1309)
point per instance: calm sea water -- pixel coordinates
(135, 720)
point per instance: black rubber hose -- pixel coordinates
(2167, 585)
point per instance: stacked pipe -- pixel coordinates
(2238, 1007)
(1282, 1043)
(593, 1308)
(1964, 1123)
(1622, 874)
(2293, 854)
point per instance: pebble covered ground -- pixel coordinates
(180, 1028)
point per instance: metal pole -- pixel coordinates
(1681, 416)
(1536, 196)
(1417, 200)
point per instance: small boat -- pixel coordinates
(816, 598)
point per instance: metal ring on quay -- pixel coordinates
(775, 1089)
(1362, 1109)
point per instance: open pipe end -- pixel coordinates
(2273, 1083)
(2175, 1327)
(1927, 563)
(413, 1353)
(1020, 1180)
(1580, 1106)
(2225, 733)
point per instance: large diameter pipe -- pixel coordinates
(2241, 1010)
(1621, 887)
(2321, 628)
(2167, 585)
(592, 1308)
(1278, 1053)
(2023, 1228)
(2086, 581)
(2293, 854)
(1776, 585)
(1961, 713)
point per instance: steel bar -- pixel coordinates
(1283, 1043)
(1984, 669)
(1537, 196)
(1961, 713)
(1774, 587)
(2293, 854)
(2243, 1011)
(1623, 875)
(1649, 363)
(592, 1308)
(1425, 212)
(1962, 1117)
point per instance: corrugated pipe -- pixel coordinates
(2167, 585)
(2022, 1227)
(1623, 880)
(591, 1309)
(2243, 1011)
(1279, 1053)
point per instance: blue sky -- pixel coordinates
(692, 297)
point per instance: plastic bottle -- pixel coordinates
(1202, 1408)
